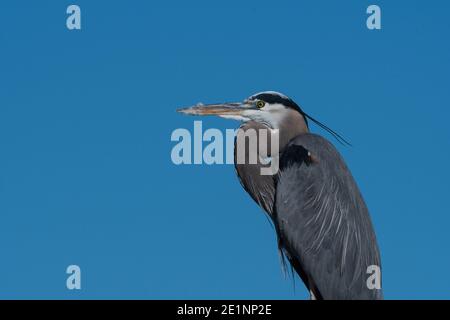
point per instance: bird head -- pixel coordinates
(269, 108)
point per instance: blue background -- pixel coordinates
(86, 116)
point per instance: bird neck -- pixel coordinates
(293, 124)
(250, 173)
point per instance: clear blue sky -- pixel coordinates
(86, 117)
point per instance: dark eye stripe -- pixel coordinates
(273, 98)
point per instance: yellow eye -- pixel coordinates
(260, 104)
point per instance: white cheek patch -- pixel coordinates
(271, 114)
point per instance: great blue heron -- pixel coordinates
(321, 220)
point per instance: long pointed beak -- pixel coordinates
(222, 109)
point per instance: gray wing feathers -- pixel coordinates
(324, 225)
